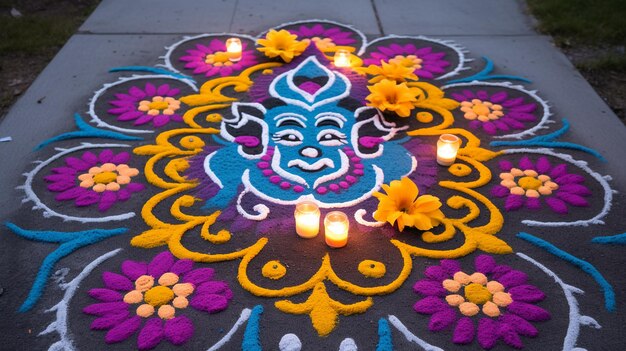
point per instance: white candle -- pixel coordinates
(447, 148)
(342, 58)
(234, 48)
(307, 216)
(336, 228)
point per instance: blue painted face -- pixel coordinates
(308, 144)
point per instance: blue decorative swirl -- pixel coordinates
(251, 340)
(485, 75)
(150, 70)
(619, 239)
(385, 342)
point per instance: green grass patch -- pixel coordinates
(35, 34)
(582, 21)
(615, 63)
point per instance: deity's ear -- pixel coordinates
(371, 132)
(247, 129)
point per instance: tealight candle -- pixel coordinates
(342, 58)
(336, 227)
(447, 148)
(233, 47)
(307, 216)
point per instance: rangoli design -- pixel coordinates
(214, 153)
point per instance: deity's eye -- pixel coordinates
(331, 137)
(288, 137)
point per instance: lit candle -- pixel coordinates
(233, 47)
(447, 147)
(336, 227)
(342, 58)
(307, 219)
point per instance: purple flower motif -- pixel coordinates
(496, 112)
(531, 182)
(151, 104)
(163, 287)
(103, 179)
(426, 63)
(213, 59)
(324, 37)
(497, 295)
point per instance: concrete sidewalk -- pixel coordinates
(122, 33)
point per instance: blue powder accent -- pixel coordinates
(548, 141)
(87, 131)
(151, 70)
(70, 242)
(251, 340)
(384, 336)
(619, 239)
(609, 294)
(485, 75)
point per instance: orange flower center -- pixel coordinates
(477, 293)
(218, 58)
(481, 109)
(158, 105)
(529, 183)
(105, 177)
(158, 296)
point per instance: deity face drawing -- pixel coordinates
(308, 140)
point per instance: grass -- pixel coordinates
(615, 63)
(34, 34)
(586, 22)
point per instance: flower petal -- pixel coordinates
(122, 157)
(429, 288)
(107, 200)
(105, 155)
(436, 273)
(513, 278)
(215, 287)
(484, 264)
(572, 199)
(557, 205)
(500, 191)
(123, 330)
(199, 276)
(178, 330)
(464, 331)
(105, 295)
(442, 319)
(134, 269)
(522, 326)
(487, 333)
(526, 293)
(117, 281)
(160, 264)
(151, 334)
(575, 189)
(210, 303)
(510, 337)
(181, 267)
(430, 305)
(528, 312)
(513, 202)
(106, 308)
(450, 266)
(109, 321)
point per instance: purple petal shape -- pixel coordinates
(557, 205)
(505, 165)
(450, 266)
(109, 321)
(508, 334)
(533, 203)
(181, 267)
(569, 179)
(464, 331)
(106, 308)
(512, 122)
(77, 163)
(105, 295)
(513, 278)
(430, 305)
(178, 330)
(210, 303)
(558, 171)
(64, 170)
(436, 273)
(524, 108)
(484, 264)
(59, 178)
(490, 128)
(151, 334)
(136, 92)
(130, 115)
(482, 95)
(498, 97)
(487, 333)
(134, 269)
(163, 89)
(117, 281)
(526, 293)
(575, 189)
(572, 199)
(90, 158)
(105, 155)
(70, 194)
(528, 312)
(501, 125)
(521, 116)
(442, 320)
(199, 276)
(135, 187)
(107, 200)
(500, 191)
(513, 202)
(60, 186)
(499, 270)
(214, 287)
(513, 102)
(160, 264)
(150, 89)
(87, 198)
(543, 165)
(526, 163)
(122, 157)
(160, 120)
(143, 120)
(521, 326)
(429, 288)
(123, 330)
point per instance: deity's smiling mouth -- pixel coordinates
(314, 167)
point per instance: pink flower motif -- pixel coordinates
(498, 296)
(324, 37)
(497, 112)
(213, 59)
(157, 292)
(91, 179)
(531, 182)
(150, 104)
(426, 63)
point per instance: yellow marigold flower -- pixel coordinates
(390, 71)
(403, 205)
(283, 44)
(387, 95)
